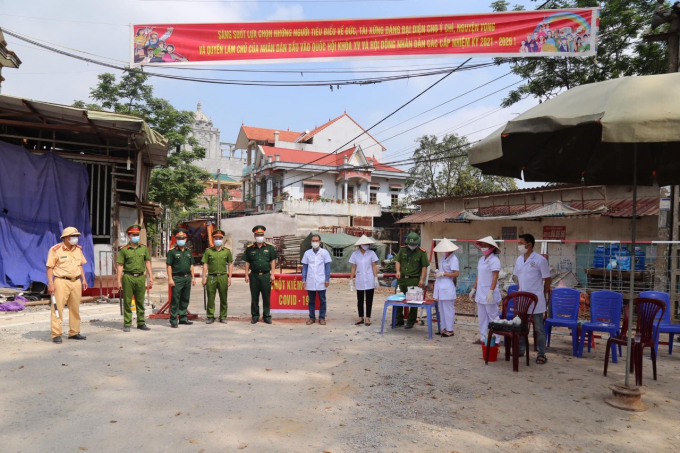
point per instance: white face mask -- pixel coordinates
(316, 244)
(365, 246)
(413, 247)
(73, 241)
(484, 249)
(522, 248)
(259, 239)
(218, 242)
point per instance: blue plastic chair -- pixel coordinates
(605, 316)
(563, 312)
(511, 305)
(665, 325)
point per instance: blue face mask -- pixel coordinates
(181, 242)
(218, 243)
(135, 239)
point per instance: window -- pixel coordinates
(395, 199)
(313, 192)
(350, 192)
(338, 252)
(373, 198)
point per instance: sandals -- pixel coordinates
(541, 360)
(477, 341)
(322, 322)
(447, 334)
(311, 321)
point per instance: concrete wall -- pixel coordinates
(331, 208)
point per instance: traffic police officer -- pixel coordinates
(66, 281)
(412, 263)
(180, 263)
(132, 260)
(260, 259)
(217, 269)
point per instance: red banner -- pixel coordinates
(554, 232)
(288, 296)
(567, 32)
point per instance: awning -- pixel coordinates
(396, 186)
(375, 185)
(312, 182)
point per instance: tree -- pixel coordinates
(621, 51)
(442, 169)
(178, 184)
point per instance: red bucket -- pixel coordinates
(493, 355)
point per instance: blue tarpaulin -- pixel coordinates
(40, 195)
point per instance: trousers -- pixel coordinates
(66, 292)
(213, 286)
(133, 286)
(486, 314)
(260, 284)
(312, 304)
(181, 293)
(447, 313)
(369, 302)
(539, 328)
(412, 313)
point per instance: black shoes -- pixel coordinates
(77, 337)
(187, 322)
(143, 327)
(210, 321)
(409, 326)
(268, 321)
(223, 321)
(126, 328)
(56, 339)
(174, 326)
(254, 320)
(399, 324)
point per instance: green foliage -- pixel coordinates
(442, 169)
(621, 51)
(178, 184)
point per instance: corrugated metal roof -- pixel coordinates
(430, 216)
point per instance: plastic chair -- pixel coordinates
(563, 312)
(511, 309)
(605, 316)
(646, 335)
(524, 304)
(665, 325)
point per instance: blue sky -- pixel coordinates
(101, 27)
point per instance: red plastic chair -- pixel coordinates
(646, 332)
(524, 304)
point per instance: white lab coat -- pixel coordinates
(485, 268)
(364, 275)
(530, 275)
(444, 288)
(316, 268)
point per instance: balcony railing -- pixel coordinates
(328, 208)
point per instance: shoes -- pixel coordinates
(399, 324)
(358, 323)
(368, 322)
(409, 326)
(477, 341)
(322, 322)
(187, 322)
(268, 321)
(223, 321)
(126, 328)
(254, 320)
(174, 326)
(143, 327)
(56, 339)
(310, 321)
(77, 337)
(210, 321)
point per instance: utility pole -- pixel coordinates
(219, 200)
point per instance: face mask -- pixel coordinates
(365, 246)
(413, 247)
(73, 241)
(218, 243)
(487, 251)
(135, 239)
(259, 239)
(181, 242)
(484, 249)
(316, 244)
(522, 248)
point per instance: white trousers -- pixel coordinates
(486, 314)
(447, 314)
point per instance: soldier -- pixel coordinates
(180, 263)
(64, 268)
(133, 260)
(260, 259)
(217, 269)
(412, 263)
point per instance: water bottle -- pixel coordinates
(598, 259)
(640, 258)
(624, 259)
(352, 287)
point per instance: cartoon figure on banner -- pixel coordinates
(571, 34)
(149, 47)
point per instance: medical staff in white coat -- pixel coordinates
(364, 275)
(444, 286)
(316, 276)
(485, 291)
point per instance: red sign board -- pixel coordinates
(555, 232)
(566, 32)
(288, 296)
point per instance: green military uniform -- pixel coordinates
(260, 257)
(133, 257)
(411, 264)
(218, 261)
(181, 263)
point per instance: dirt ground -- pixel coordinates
(288, 387)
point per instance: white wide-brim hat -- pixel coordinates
(488, 240)
(445, 246)
(364, 240)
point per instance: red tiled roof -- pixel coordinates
(260, 134)
(305, 157)
(324, 126)
(382, 167)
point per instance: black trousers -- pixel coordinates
(369, 302)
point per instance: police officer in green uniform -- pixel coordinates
(260, 259)
(132, 260)
(412, 263)
(180, 263)
(217, 269)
